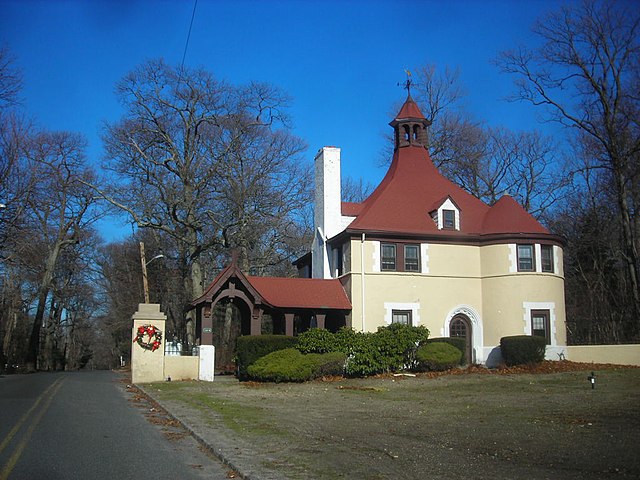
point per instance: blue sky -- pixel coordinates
(340, 61)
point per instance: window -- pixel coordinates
(546, 257)
(525, 258)
(411, 258)
(458, 328)
(540, 324)
(449, 219)
(401, 316)
(388, 256)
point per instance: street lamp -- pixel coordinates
(143, 261)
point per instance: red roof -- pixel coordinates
(282, 292)
(301, 292)
(413, 188)
(409, 110)
(508, 216)
(407, 194)
(351, 209)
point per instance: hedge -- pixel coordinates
(252, 347)
(522, 349)
(290, 365)
(437, 356)
(459, 343)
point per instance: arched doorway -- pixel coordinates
(460, 327)
(230, 320)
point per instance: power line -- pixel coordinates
(186, 45)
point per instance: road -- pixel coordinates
(87, 425)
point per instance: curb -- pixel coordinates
(218, 453)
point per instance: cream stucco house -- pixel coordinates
(421, 250)
(418, 250)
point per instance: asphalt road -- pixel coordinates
(87, 425)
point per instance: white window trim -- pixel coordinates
(424, 257)
(413, 307)
(448, 205)
(513, 258)
(538, 256)
(376, 257)
(551, 306)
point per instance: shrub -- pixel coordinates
(290, 365)
(438, 356)
(459, 343)
(390, 349)
(317, 340)
(328, 364)
(252, 347)
(522, 349)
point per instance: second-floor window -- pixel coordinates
(546, 257)
(411, 258)
(526, 262)
(400, 257)
(388, 256)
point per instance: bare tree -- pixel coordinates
(10, 79)
(210, 165)
(586, 73)
(57, 215)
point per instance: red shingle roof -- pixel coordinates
(301, 292)
(508, 216)
(413, 188)
(407, 194)
(409, 110)
(282, 292)
(351, 209)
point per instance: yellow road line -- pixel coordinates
(51, 392)
(17, 426)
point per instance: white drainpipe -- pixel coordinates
(362, 279)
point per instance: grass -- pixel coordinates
(498, 426)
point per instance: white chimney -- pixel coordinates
(327, 212)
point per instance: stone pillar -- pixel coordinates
(147, 365)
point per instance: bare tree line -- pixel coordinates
(200, 167)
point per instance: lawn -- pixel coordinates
(474, 425)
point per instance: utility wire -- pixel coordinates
(186, 45)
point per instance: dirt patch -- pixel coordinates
(472, 423)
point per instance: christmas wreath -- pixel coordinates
(154, 337)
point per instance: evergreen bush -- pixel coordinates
(522, 349)
(437, 356)
(459, 343)
(252, 347)
(290, 365)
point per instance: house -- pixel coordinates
(419, 250)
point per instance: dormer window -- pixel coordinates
(448, 219)
(446, 215)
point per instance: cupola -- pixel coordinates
(410, 126)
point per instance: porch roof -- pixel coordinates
(281, 292)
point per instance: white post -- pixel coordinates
(207, 363)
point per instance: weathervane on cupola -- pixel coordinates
(407, 82)
(410, 126)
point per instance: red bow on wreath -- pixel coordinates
(154, 335)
